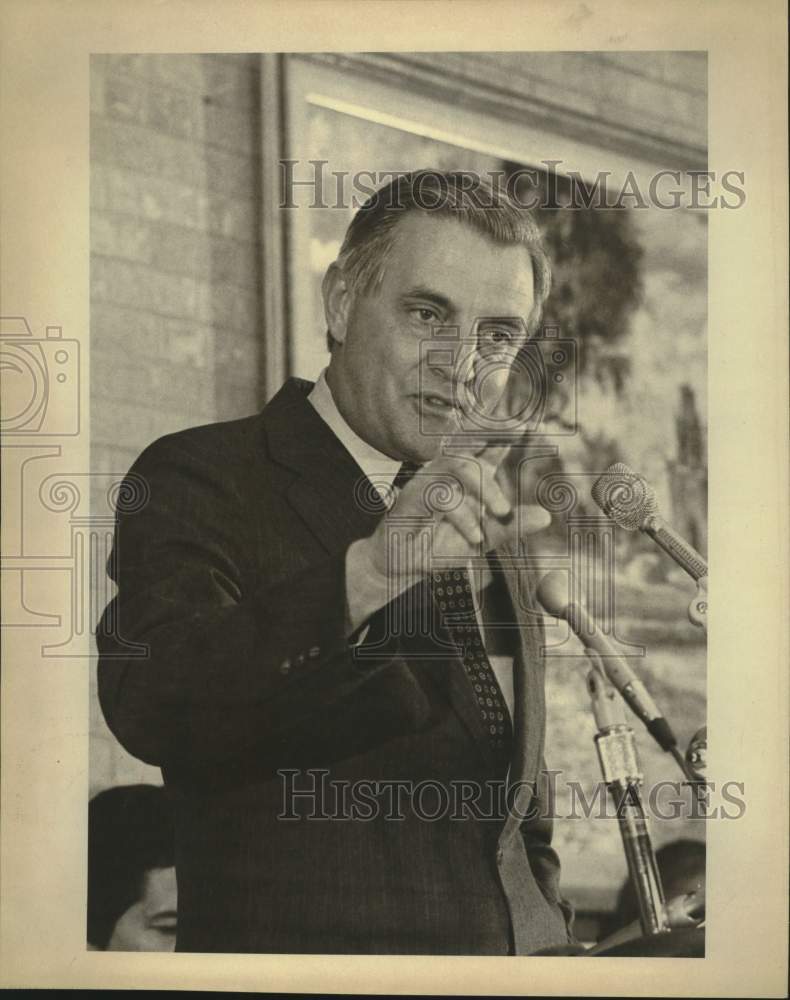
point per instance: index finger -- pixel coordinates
(494, 454)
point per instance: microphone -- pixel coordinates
(629, 501)
(552, 593)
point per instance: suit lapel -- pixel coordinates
(329, 491)
(528, 676)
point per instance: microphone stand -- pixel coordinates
(616, 748)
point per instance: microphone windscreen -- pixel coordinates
(624, 496)
(552, 593)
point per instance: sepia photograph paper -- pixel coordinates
(392, 393)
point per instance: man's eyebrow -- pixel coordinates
(429, 295)
(516, 322)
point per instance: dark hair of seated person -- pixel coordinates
(130, 833)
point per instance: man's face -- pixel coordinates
(150, 923)
(438, 273)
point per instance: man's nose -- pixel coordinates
(468, 364)
(459, 364)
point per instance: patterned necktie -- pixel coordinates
(452, 594)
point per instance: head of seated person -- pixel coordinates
(681, 866)
(131, 871)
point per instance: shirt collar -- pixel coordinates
(380, 469)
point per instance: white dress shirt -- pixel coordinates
(381, 470)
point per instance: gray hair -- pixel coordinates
(461, 195)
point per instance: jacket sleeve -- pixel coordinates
(537, 829)
(203, 655)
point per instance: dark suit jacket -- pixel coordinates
(233, 576)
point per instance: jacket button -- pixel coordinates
(500, 856)
(300, 659)
(285, 667)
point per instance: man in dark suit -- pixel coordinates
(341, 671)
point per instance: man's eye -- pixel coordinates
(424, 314)
(498, 338)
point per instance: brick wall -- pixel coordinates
(174, 266)
(174, 232)
(663, 93)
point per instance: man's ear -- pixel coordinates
(337, 302)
